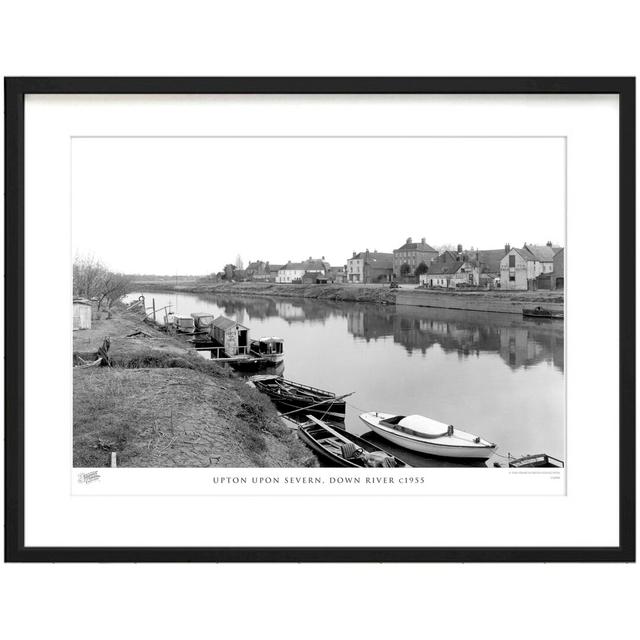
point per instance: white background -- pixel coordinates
(53, 517)
(328, 38)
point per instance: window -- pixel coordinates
(512, 261)
(512, 278)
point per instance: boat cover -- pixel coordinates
(427, 426)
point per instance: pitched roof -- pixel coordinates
(414, 246)
(543, 253)
(225, 323)
(447, 256)
(526, 255)
(488, 260)
(444, 268)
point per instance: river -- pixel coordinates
(496, 375)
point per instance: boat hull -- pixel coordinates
(429, 446)
(287, 397)
(544, 314)
(306, 434)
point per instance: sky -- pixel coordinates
(191, 205)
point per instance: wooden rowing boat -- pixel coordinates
(343, 449)
(295, 398)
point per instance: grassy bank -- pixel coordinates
(162, 405)
(346, 292)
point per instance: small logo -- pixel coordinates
(87, 478)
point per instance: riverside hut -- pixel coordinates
(231, 335)
(81, 314)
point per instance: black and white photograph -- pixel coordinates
(319, 301)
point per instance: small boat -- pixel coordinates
(203, 321)
(342, 448)
(541, 312)
(271, 349)
(428, 436)
(184, 324)
(297, 399)
(541, 460)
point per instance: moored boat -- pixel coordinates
(541, 460)
(271, 349)
(425, 435)
(343, 449)
(541, 312)
(184, 324)
(203, 321)
(297, 399)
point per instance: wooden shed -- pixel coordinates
(231, 335)
(81, 314)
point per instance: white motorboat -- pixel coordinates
(428, 436)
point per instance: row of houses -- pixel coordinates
(529, 267)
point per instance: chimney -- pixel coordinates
(549, 244)
(423, 240)
(459, 248)
(507, 248)
(323, 257)
(409, 240)
(354, 254)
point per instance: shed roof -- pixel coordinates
(82, 301)
(224, 323)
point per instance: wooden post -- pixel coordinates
(114, 462)
(154, 309)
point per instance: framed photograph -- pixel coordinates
(320, 319)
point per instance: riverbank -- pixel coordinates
(162, 405)
(493, 301)
(338, 292)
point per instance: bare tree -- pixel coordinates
(88, 274)
(92, 279)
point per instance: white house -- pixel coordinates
(450, 274)
(293, 271)
(520, 267)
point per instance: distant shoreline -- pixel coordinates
(494, 301)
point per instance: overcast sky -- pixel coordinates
(191, 205)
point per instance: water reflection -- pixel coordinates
(519, 343)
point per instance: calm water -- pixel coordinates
(495, 375)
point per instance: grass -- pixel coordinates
(161, 405)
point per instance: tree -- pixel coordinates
(88, 273)
(421, 268)
(92, 280)
(113, 287)
(405, 269)
(229, 271)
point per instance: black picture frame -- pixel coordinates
(15, 91)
